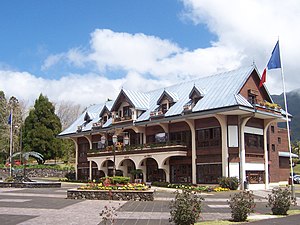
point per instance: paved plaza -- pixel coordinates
(50, 206)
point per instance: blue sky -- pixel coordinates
(85, 51)
(34, 29)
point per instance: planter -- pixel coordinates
(30, 185)
(117, 195)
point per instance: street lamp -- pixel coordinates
(115, 140)
(103, 140)
(126, 140)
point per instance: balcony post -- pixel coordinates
(243, 122)
(223, 122)
(191, 124)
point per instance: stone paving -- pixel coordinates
(50, 206)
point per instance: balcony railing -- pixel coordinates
(156, 113)
(97, 125)
(134, 149)
(122, 119)
(268, 107)
(79, 128)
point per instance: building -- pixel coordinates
(192, 132)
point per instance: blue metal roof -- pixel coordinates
(220, 90)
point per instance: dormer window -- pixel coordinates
(104, 119)
(87, 118)
(164, 108)
(166, 100)
(252, 96)
(126, 111)
(195, 95)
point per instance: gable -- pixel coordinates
(122, 97)
(252, 86)
(167, 95)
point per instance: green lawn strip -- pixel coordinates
(293, 212)
(227, 222)
(218, 222)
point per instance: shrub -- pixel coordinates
(116, 180)
(229, 182)
(186, 208)
(280, 201)
(241, 204)
(160, 184)
(70, 175)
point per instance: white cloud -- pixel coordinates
(84, 89)
(52, 60)
(253, 26)
(246, 31)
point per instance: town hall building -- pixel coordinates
(222, 125)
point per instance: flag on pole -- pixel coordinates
(9, 119)
(274, 63)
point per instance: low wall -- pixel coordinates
(30, 185)
(33, 172)
(111, 195)
(43, 173)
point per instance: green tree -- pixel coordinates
(4, 128)
(41, 128)
(14, 107)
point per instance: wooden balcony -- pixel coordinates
(122, 119)
(137, 149)
(97, 125)
(268, 107)
(156, 114)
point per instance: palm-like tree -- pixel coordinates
(25, 156)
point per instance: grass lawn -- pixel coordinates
(227, 222)
(218, 222)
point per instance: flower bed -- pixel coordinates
(200, 188)
(112, 188)
(120, 187)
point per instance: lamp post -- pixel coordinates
(103, 140)
(126, 140)
(114, 139)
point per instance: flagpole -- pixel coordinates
(11, 142)
(288, 130)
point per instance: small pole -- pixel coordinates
(11, 141)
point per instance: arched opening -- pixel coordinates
(153, 173)
(96, 174)
(127, 166)
(108, 165)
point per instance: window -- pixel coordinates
(104, 119)
(252, 94)
(126, 111)
(279, 140)
(252, 99)
(254, 140)
(273, 148)
(181, 137)
(210, 137)
(272, 129)
(161, 137)
(164, 108)
(195, 100)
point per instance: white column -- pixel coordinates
(223, 122)
(90, 174)
(89, 138)
(266, 125)
(243, 151)
(76, 157)
(191, 124)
